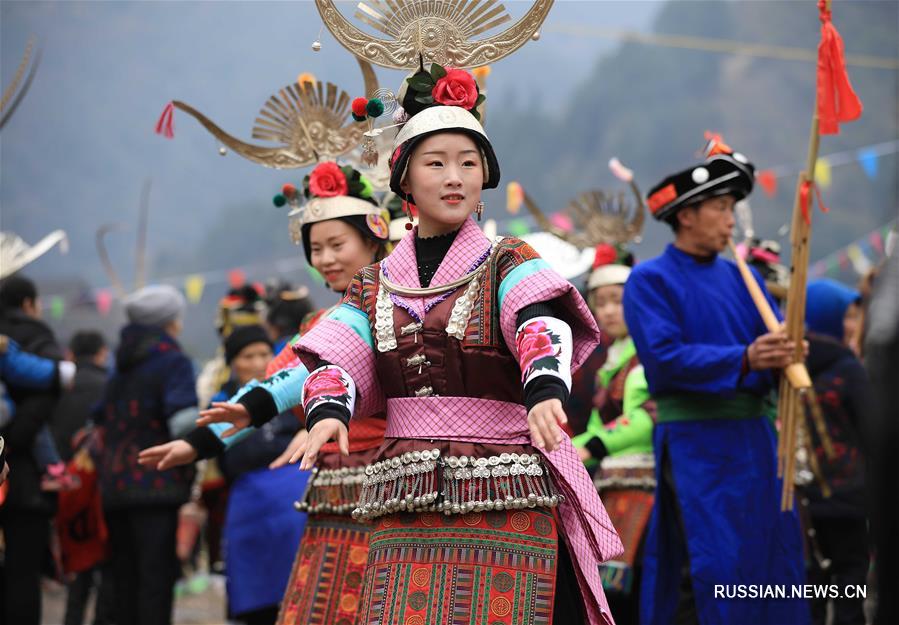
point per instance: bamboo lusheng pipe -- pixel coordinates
(796, 373)
(796, 301)
(812, 456)
(818, 419)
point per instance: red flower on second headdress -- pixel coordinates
(327, 180)
(457, 88)
(605, 254)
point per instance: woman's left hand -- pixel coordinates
(297, 442)
(544, 421)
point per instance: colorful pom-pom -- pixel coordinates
(289, 191)
(279, 200)
(358, 118)
(374, 108)
(358, 107)
(367, 188)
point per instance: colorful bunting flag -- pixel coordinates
(877, 242)
(236, 278)
(514, 198)
(767, 181)
(193, 288)
(518, 227)
(868, 158)
(860, 262)
(104, 301)
(843, 259)
(822, 173)
(562, 221)
(57, 307)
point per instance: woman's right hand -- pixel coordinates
(224, 412)
(171, 454)
(287, 456)
(322, 432)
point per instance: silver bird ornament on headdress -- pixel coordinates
(308, 121)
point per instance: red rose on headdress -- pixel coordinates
(327, 180)
(457, 88)
(534, 343)
(328, 382)
(605, 254)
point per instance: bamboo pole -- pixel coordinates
(796, 372)
(810, 450)
(800, 236)
(820, 427)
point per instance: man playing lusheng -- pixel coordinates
(710, 366)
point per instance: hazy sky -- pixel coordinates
(77, 151)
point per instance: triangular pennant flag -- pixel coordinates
(236, 278)
(768, 181)
(822, 173)
(877, 242)
(869, 160)
(518, 227)
(193, 288)
(562, 221)
(57, 307)
(104, 301)
(860, 262)
(843, 259)
(514, 197)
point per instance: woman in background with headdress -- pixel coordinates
(618, 440)
(341, 228)
(469, 345)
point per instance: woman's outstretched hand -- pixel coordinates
(171, 454)
(287, 456)
(322, 432)
(223, 412)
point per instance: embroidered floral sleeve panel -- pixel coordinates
(544, 349)
(329, 390)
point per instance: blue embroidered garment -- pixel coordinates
(691, 321)
(717, 506)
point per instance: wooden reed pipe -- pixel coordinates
(796, 373)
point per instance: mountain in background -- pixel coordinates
(77, 152)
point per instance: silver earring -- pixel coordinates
(479, 210)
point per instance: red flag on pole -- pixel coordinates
(837, 102)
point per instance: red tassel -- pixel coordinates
(804, 193)
(768, 181)
(166, 124)
(837, 102)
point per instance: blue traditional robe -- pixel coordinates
(715, 447)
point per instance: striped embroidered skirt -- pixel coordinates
(491, 568)
(327, 574)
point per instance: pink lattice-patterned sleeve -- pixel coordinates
(528, 279)
(343, 338)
